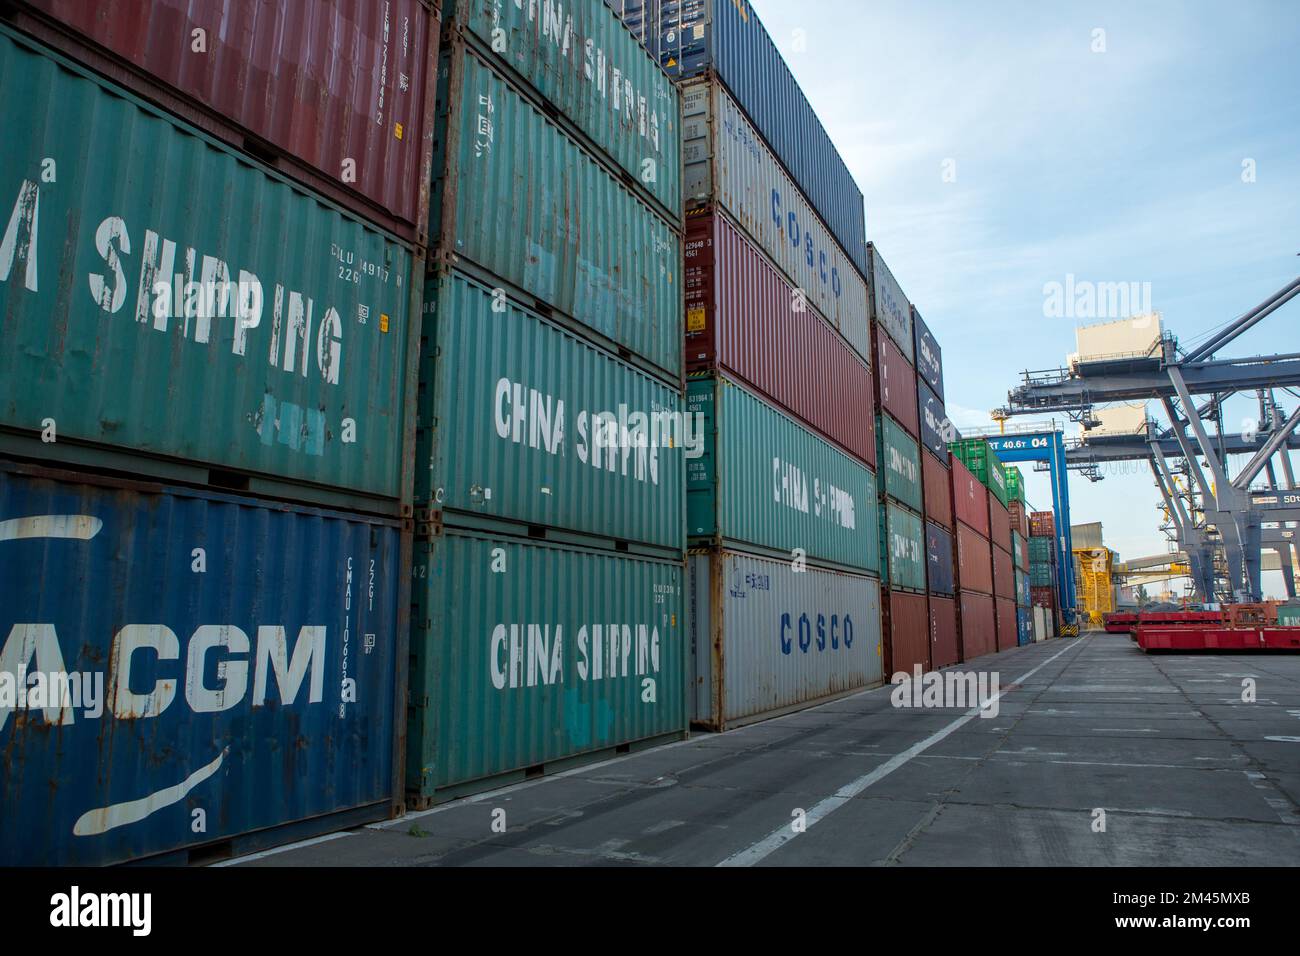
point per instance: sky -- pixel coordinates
(1153, 142)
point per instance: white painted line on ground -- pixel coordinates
(780, 837)
(262, 855)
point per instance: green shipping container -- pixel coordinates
(898, 463)
(1041, 550)
(1289, 615)
(976, 455)
(523, 421)
(1019, 551)
(763, 482)
(1015, 483)
(902, 534)
(600, 78)
(163, 296)
(1042, 575)
(525, 654)
(525, 204)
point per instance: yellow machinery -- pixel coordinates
(1095, 583)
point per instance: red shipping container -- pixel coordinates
(970, 499)
(1042, 525)
(1008, 633)
(906, 624)
(999, 524)
(974, 561)
(938, 490)
(945, 649)
(896, 380)
(978, 625)
(1043, 597)
(740, 317)
(1019, 517)
(320, 89)
(1004, 574)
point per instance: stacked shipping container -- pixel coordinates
(174, 333)
(936, 481)
(548, 613)
(1042, 563)
(976, 611)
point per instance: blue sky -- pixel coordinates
(1122, 165)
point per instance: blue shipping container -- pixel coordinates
(690, 37)
(934, 422)
(232, 666)
(929, 357)
(938, 559)
(1024, 626)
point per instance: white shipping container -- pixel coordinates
(889, 306)
(767, 640)
(728, 162)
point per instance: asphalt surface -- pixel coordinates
(1099, 755)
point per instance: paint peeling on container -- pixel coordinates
(190, 331)
(520, 201)
(247, 661)
(768, 640)
(597, 75)
(561, 653)
(521, 420)
(338, 93)
(766, 482)
(728, 164)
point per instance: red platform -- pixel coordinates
(1183, 638)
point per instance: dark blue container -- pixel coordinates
(248, 656)
(936, 430)
(939, 559)
(692, 37)
(929, 357)
(1024, 626)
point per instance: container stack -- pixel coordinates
(1042, 566)
(548, 613)
(936, 483)
(207, 383)
(976, 612)
(784, 590)
(1018, 512)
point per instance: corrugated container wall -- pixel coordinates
(970, 499)
(597, 75)
(1008, 629)
(727, 164)
(896, 381)
(294, 361)
(1004, 575)
(766, 639)
(1025, 625)
(520, 421)
(526, 203)
(935, 428)
(907, 618)
(568, 652)
(945, 649)
(928, 355)
(899, 473)
(974, 561)
(903, 537)
(727, 37)
(342, 89)
(999, 524)
(890, 309)
(740, 315)
(979, 630)
(763, 481)
(1042, 524)
(262, 688)
(938, 489)
(940, 573)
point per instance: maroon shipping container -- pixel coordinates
(1004, 574)
(906, 625)
(978, 625)
(338, 94)
(1019, 517)
(740, 317)
(938, 490)
(999, 524)
(1042, 525)
(896, 379)
(1008, 630)
(945, 649)
(1043, 597)
(970, 499)
(974, 561)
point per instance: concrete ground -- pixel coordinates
(1099, 755)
